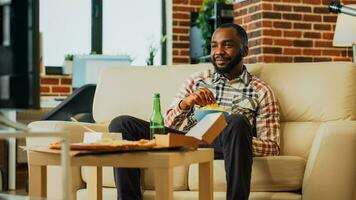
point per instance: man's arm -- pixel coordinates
(187, 96)
(268, 127)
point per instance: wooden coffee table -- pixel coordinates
(162, 163)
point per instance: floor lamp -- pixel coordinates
(345, 31)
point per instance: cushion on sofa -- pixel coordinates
(108, 176)
(314, 91)
(193, 195)
(180, 178)
(275, 173)
(138, 104)
(110, 194)
(297, 137)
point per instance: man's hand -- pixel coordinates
(202, 97)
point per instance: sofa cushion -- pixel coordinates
(316, 92)
(159, 79)
(277, 173)
(180, 179)
(110, 194)
(108, 176)
(193, 195)
(297, 138)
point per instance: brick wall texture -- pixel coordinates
(181, 25)
(56, 85)
(279, 30)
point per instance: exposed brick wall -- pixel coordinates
(53, 85)
(279, 30)
(290, 31)
(181, 26)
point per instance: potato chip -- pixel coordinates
(213, 107)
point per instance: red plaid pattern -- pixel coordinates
(245, 95)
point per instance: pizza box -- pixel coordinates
(204, 131)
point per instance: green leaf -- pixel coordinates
(205, 13)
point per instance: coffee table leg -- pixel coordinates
(37, 181)
(95, 183)
(206, 181)
(164, 183)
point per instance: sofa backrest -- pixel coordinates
(126, 90)
(313, 92)
(308, 93)
(129, 90)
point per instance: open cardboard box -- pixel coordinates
(204, 131)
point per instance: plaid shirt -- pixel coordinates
(245, 95)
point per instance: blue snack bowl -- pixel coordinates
(200, 114)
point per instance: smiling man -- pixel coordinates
(252, 127)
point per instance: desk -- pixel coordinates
(161, 162)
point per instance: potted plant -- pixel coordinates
(68, 64)
(153, 48)
(204, 21)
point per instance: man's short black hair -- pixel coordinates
(241, 31)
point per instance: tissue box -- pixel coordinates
(93, 137)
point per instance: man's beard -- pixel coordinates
(229, 67)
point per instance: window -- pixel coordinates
(66, 29)
(130, 27)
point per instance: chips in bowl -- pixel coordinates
(212, 108)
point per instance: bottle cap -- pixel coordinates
(156, 95)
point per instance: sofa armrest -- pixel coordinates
(75, 129)
(54, 172)
(331, 168)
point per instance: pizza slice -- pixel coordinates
(108, 144)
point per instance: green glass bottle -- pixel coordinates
(156, 121)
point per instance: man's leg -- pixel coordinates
(127, 180)
(235, 145)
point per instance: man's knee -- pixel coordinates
(238, 130)
(118, 123)
(237, 121)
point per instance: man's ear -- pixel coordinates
(245, 51)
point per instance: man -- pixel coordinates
(253, 123)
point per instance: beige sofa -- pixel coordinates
(318, 142)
